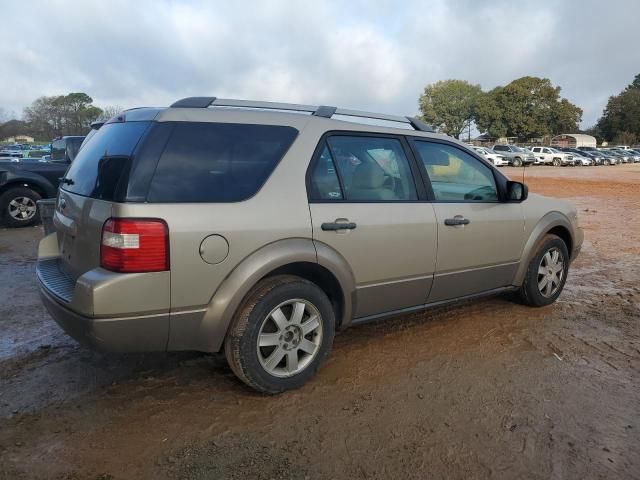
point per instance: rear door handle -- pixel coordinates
(457, 220)
(335, 226)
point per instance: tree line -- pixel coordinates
(528, 107)
(49, 117)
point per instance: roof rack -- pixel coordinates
(318, 111)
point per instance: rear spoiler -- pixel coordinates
(96, 125)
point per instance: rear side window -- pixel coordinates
(501, 148)
(369, 169)
(101, 168)
(57, 150)
(218, 162)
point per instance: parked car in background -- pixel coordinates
(493, 157)
(22, 183)
(551, 156)
(65, 149)
(516, 156)
(11, 152)
(607, 157)
(630, 154)
(252, 231)
(636, 154)
(582, 160)
(619, 155)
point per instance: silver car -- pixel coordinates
(262, 229)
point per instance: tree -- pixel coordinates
(525, 108)
(69, 114)
(13, 128)
(109, 112)
(449, 105)
(622, 113)
(625, 138)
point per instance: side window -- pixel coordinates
(500, 148)
(58, 148)
(455, 175)
(217, 162)
(372, 168)
(546, 150)
(324, 178)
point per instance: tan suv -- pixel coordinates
(262, 228)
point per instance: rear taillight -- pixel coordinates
(132, 245)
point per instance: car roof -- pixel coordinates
(294, 115)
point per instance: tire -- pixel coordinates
(531, 292)
(19, 208)
(255, 365)
(556, 162)
(607, 162)
(517, 162)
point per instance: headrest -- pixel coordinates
(368, 175)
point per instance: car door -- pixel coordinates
(480, 238)
(366, 205)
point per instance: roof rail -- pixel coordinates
(318, 111)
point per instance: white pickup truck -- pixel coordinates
(551, 156)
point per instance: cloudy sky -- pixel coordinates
(372, 55)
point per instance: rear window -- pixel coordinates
(101, 168)
(218, 162)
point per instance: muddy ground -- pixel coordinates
(488, 389)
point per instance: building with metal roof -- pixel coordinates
(573, 140)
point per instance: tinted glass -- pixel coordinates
(73, 145)
(501, 148)
(218, 162)
(58, 148)
(324, 179)
(102, 166)
(455, 175)
(372, 168)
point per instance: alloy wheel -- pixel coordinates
(551, 272)
(22, 208)
(289, 338)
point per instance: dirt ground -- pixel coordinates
(488, 389)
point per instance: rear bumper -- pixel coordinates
(134, 334)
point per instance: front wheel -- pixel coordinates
(517, 162)
(281, 335)
(547, 273)
(19, 207)
(556, 162)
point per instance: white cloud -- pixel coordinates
(358, 54)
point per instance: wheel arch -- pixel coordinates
(554, 223)
(38, 185)
(299, 256)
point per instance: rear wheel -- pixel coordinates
(547, 273)
(18, 207)
(281, 335)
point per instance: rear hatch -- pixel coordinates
(98, 177)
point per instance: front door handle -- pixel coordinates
(335, 226)
(457, 220)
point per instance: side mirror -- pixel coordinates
(517, 192)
